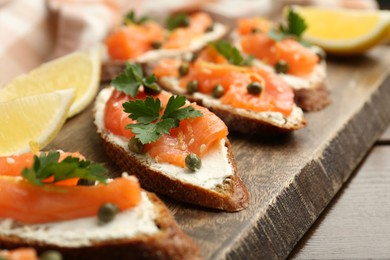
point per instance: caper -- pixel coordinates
(107, 212)
(255, 30)
(192, 86)
(210, 28)
(255, 88)
(51, 255)
(136, 146)
(218, 91)
(85, 182)
(183, 69)
(152, 89)
(321, 54)
(193, 162)
(281, 66)
(156, 45)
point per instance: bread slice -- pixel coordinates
(216, 185)
(239, 119)
(147, 231)
(111, 68)
(311, 93)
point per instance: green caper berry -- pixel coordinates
(107, 212)
(255, 30)
(193, 162)
(156, 45)
(192, 86)
(51, 255)
(281, 66)
(255, 88)
(85, 182)
(183, 69)
(321, 54)
(210, 28)
(218, 91)
(2, 258)
(152, 89)
(136, 146)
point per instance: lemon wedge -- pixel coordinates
(78, 70)
(345, 31)
(32, 120)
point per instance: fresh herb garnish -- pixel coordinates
(130, 18)
(132, 78)
(151, 124)
(178, 20)
(231, 53)
(47, 165)
(295, 27)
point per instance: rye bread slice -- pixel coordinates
(230, 195)
(111, 68)
(242, 120)
(168, 243)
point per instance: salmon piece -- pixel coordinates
(182, 37)
(277, 96)
(196, 135)
(209, 75)
(115, 119)
(30, 204)
(14, 165)
(133, 40)
(300, 59)
(19, 254)
(247, 25)
(260, 46)
(167, 68)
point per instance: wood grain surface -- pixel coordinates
(291, 178)
(356, 224)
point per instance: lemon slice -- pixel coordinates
(79, 70)
(33, 119)
(344, 31)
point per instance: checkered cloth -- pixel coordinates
(35, 31)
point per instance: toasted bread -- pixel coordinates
(216, 186)
(242, 120)
(164, 240)
(111, 68)
(311, 93)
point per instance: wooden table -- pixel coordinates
(356, 224)
(291, 179)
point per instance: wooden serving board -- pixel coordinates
(292, 178)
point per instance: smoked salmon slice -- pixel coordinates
(192, 136)
(254, 40)
(132, 40)
(30, 204)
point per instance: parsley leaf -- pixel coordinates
(130, 18)
(47, 165)
(295, 27)
(151, 124)
(178, 20)
(231, 53)
(132, 78)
